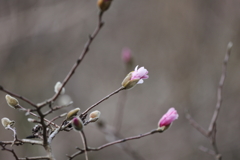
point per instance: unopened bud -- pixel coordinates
(93, 117)
(77, 124)
(72, 113)
(127, 83)
(31, 120)
(12, 102)
(57, 87)
(126, 55)
(104, 4)
(7, 123)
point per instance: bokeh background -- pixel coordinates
(181, 43)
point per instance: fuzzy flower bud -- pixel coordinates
(77, 124)
(126, 55)
(93, 117)
(72, 113)
(7, 122)
(12, 102)
(104, 4)
(167, 119)
(57, 87)
(135, 77)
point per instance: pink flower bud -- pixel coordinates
(126, 55)
(168, 118)
(77, 124)
(140, 74)
(135, 77)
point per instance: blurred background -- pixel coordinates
(181, 43)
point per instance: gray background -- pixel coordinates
(181, 43)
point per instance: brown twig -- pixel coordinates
(35, 158)
(114, 142)
(29, 112)
(212, 130)
(9, 150)
(84, 140)
(79, 60)
(105, 98)
(110, 131)
(220, 86)
(18, 96)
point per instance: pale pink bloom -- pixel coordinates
(168, 117)
(126, 55)
(140, 74)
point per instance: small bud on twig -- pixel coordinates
(126, 55)
(12, 102)
(7, 122)
(104, 4)
(77, 124)
(57, 87)
(72, 113)
(93, 117)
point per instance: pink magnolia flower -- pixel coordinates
(140, 74)
(168, 118)
(126, 55)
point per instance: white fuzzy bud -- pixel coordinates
(12, 102)
(57, 87)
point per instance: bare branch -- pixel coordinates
(79, 60)
(114, 142)
(9, 150)
(220, 86)
(196, 125)
(18, 96)
(84, 140)
(105, 98)
(35, 158)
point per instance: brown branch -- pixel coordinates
(18, 96)
(220, 86)
(29, 112)
(9, 150)
(196, 125)
(105, 98)
(212, 130)
(35, 158)
(79, 60)
(114, 142)
(84, 140)
(109, 131)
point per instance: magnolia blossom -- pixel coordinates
(140, 74)
(168, 118)
(126, 55)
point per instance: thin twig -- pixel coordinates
(220, 86)
(105, 98)
(19, 97)
(84, 140)
(35, 158)
(10, 150)
(196, 125)
(212, 130)
(109, 131)
(79, 60)
(114, 142)
(27, 111)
